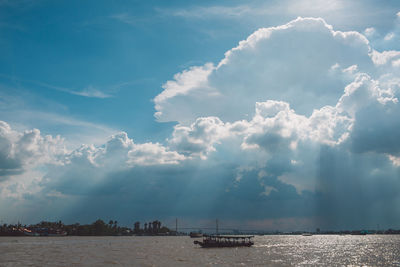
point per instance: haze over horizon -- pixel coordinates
(275, 115)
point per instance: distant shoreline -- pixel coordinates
(154, 228)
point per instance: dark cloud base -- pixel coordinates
(345, 199)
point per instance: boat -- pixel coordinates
(359, 232)
(306, 234)
(195, 234)
(58, 233)
(29, 232)
(219, 241)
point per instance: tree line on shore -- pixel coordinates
(97, 228)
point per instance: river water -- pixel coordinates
(317, 250)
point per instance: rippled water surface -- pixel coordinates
(371, 250)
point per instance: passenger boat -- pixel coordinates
(219, 241)
(29, 232)
(359, 233)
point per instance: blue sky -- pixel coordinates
(266, 114)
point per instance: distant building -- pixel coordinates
(136, 227)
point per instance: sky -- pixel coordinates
(272, 115)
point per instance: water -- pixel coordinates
(318, 250)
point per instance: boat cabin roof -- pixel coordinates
(230, 236)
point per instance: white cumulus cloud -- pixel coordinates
(290, 63)
(21, 150)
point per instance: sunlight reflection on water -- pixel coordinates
(317, 250)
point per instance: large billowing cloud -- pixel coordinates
(298, 121)
(19, 151)
(295, 63)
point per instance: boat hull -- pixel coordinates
(222, 244)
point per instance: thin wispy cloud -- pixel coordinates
(125, 18)
(262, 13)
(130, 19)
(247, 12)
(210, 11)
(50, 116)
(253, 9)
(90, 91)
